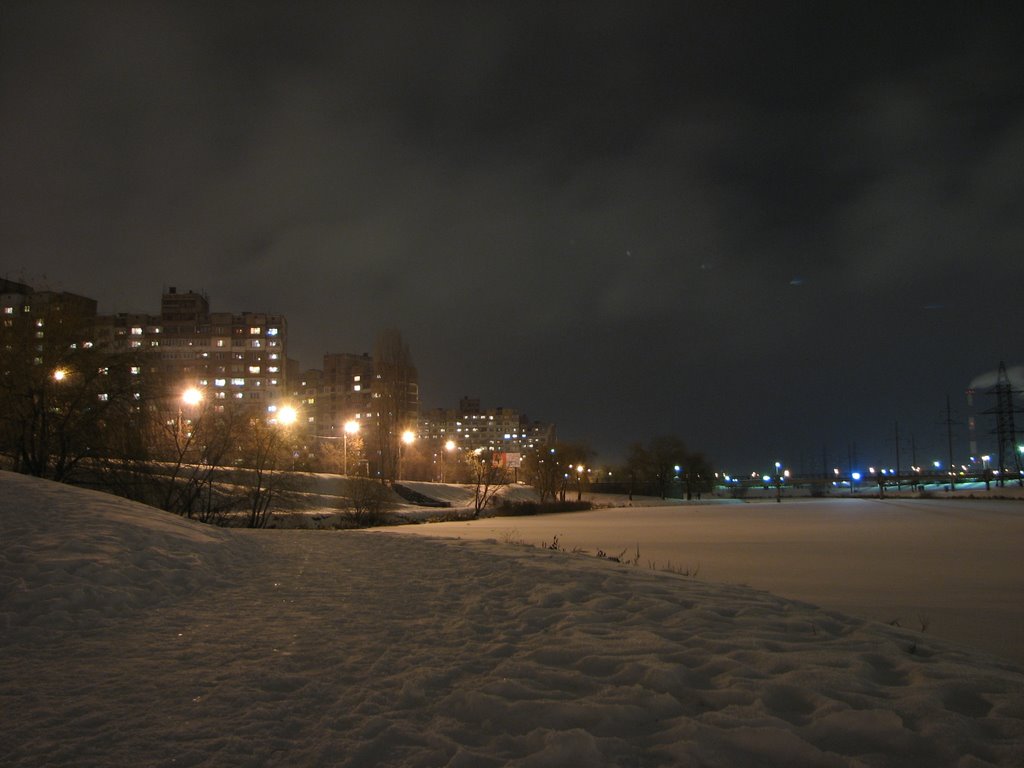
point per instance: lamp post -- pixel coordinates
(286, 417)
(407, 439)
(448, 448)
(191, 397)
(351, 428)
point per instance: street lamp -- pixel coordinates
(407, 438)
(190, 396)
(351, 428)
(286, 416)
(448, 448)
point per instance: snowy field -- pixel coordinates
(129, 637)
(954, 565)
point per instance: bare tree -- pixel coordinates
(61, 398)
(487, 473)
(552, 468)
(367, 501)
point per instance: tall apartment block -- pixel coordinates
(239, 357)
(349, 387)
(470, 427)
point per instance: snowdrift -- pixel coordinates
(135, 638)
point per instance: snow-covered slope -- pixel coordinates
(134, 638)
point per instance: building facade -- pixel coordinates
(230, 357)
(471, 427)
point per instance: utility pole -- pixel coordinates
(949, 438)
(898, 486)
(1006, 431)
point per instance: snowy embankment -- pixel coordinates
(130, 637)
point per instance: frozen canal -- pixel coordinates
(952, 566)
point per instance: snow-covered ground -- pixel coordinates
(955, 565)
(131, 637)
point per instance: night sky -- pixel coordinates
(772, 229)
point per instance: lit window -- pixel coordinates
(220, 342)
(254, 369)
(39, 323)
(271, 331)
(8, 310)
(357, 378)
(239, 395)
(273, 369)
(256, 344)
(219, 382)
(255, 330)
(135, 344)
(136, 370)
(238, 382)
(103, 397)
(274, 356)
(357, 387)
(136, 330)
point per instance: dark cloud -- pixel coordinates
(772, 229)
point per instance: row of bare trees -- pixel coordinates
(71, 411)
(664, 461)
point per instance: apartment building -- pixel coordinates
(230, 356)
(470, 427)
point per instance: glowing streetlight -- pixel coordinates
(449, 446)
(351, 428)
(408, 437)
(191, 396)
(286, 415)
(60, 374)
